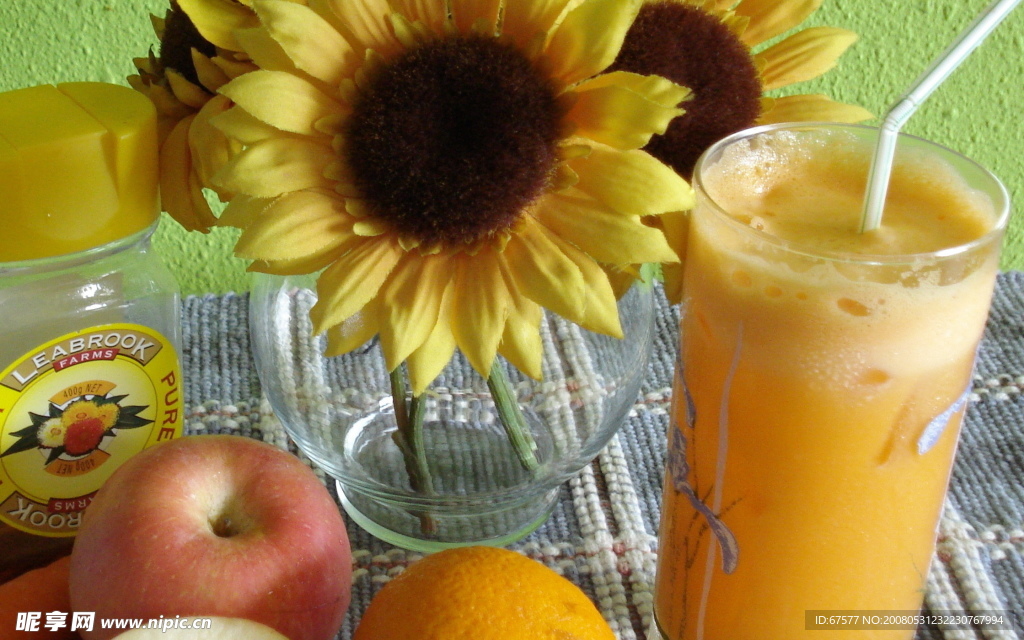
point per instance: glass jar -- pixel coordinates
(469, 484)
(89, 315)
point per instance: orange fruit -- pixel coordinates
(481, 593)
(41, 590)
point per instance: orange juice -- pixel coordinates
(822, 378)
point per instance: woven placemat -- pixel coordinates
(602, 534)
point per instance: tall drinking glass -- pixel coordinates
(822, 379)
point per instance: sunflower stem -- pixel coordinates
(409, 439)
(398, 397)
(512, 418)
(416, 443)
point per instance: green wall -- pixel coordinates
(976, 112)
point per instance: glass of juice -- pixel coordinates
(822, 378)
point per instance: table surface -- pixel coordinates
(602, 535)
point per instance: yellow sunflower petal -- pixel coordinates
(358, 208)
(520, 341)
(589, 38)
(676, 226)
(136, 82)
(242, 210)
(364, 23)
(564, 177)
(769, 18)
(370, 227)
(185, 91)
(600, 311)
(410, 302)
(619, 117)
(480, 308)
(736, 24)
(341, 175)
(810, 108)
(237, 124)
(180, 194)
(409, 33)
(631, 181)
(295, 225)
(623, 278)
(275, 166)
(312, 44)
(147, 66)
(654, 88)
(431, 13)
(216, 20)
(200, 206)
(543, 273)
(427, 362)
(523, 20)
(165, 102)
(353, 280)
(804, 55)
(159, 26)
(354, 332)
(591, 226)
(211, 150)
(466, 13)
(210, 75)
(282, 100)
(233, 68)
(264, 51)
(298, 266)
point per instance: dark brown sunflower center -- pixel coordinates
(693, 48)
(180, 37)
(453, 139)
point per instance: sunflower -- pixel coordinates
(450, 169)
(182, 83)
(710, 47)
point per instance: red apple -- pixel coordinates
(214, 526)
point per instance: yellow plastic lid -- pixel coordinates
(78, 168)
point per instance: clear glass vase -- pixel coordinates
(340, 412)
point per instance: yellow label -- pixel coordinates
(72, 411)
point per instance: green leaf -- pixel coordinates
(27, 431)
(129, 418)
(24, 444)
(132, 422)
(54, 454)
(133, 409)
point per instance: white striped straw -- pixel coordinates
(899, 113)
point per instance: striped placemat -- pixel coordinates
(602, 534)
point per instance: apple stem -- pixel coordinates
(512, 418)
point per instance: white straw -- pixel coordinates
(945, 64)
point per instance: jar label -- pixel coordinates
(75, 409)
